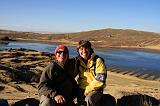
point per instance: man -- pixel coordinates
(92, 75)
(56, 86)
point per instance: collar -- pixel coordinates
(61, 65)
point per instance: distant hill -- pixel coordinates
(29, 35)
(118, 37)
(99, 38)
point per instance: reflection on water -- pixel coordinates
(121, 59)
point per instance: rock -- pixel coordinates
(27, 102)
(2, 88)
(108, 100)
(138, 100)
(3, 102)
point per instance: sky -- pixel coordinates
(61, 16)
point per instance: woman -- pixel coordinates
(92, 75)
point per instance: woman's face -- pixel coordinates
(84, 52)
(62, 56)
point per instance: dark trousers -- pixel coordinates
(45, 101)
(92, 99)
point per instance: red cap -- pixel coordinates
(61, 47)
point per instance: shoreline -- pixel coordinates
(74, 44)
(145, 76)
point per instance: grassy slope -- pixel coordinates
(100, 38)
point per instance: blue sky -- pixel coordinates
(79, 15)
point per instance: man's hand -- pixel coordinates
(59, 99)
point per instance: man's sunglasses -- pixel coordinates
(59, 52)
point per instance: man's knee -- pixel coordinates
(93, 96)
(45, 101)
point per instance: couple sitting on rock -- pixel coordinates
(58, 87)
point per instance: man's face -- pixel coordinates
(62, 56)
(84, 52)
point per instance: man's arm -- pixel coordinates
(45, 82)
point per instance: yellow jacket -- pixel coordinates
(87, 79)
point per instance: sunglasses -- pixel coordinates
(59, 52)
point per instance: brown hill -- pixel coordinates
(99, 38)
(29, 35)
(118, 37)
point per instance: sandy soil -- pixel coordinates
(15, 92)
(118, 85)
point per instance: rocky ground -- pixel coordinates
(20, 70)
(19, 73)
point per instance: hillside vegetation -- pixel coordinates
(100, 38)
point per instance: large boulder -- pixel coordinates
(138, 100)
(3, 102)
(108, 100)
(27, 102)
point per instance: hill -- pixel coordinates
(103, 38)
(118, 38)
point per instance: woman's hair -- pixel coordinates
(86, 44)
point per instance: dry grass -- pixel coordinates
(103, 38)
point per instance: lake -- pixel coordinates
(131, 61)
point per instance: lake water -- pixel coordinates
(138, 61)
